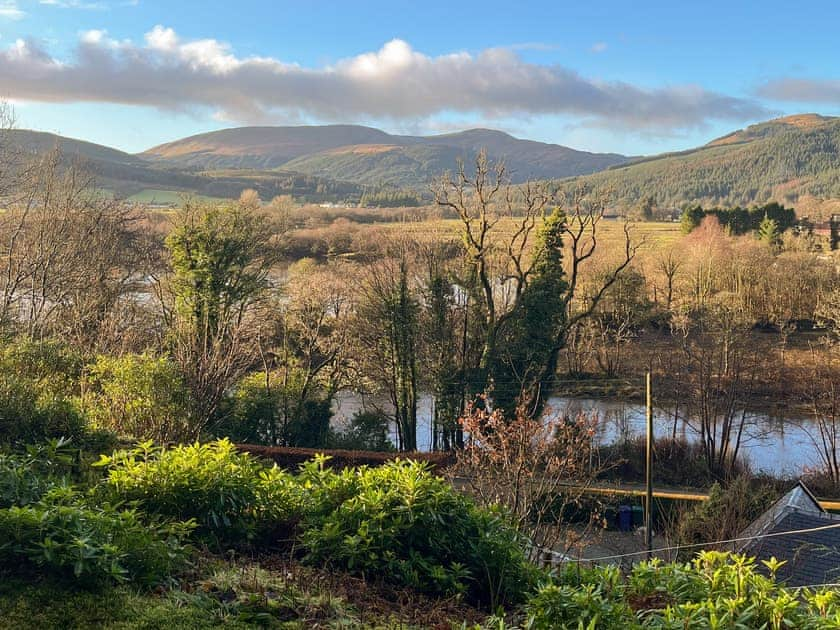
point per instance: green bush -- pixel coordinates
(400, 523)
(232, 497)
(26, 476)
(30, 414)
(288, 412)
(64, 535)
(715, 590)
(138, 395)
(53, 366)
(20, 483)
(367, 431)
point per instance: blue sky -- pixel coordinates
(634, 78)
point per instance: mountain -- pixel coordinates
(42, 142)
(126, 175)
(369, 156)
(260, 147)
(793, 160)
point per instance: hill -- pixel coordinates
(372, 157)
(260, 147)
(792, 160)
(127, 175)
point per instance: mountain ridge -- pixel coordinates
(413, 160)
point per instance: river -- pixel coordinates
(772, 444)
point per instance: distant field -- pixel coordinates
(151, 195)
(655, 234)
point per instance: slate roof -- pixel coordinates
(812, 557)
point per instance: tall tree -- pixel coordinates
(221, 257)
(527, 302)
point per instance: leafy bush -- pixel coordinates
(63, 534)
(232, 496)
(367, 431)
(137, 394)
(288, 412)
(53, 366)
(400, 523)
(20, 484)
(30, 414)
(726, 514)
(25, 477)
(715, 590)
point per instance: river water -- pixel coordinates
(772, 444)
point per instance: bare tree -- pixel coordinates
(503, 266)
(68, 257)
(538, 469)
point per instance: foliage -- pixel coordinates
(524, 358)
(138, 395)
(715, 590)
(29, 414)
(400, 523)
(38, 380)
(220, 257)
(65, 535)
(231, 496)
(367, 431)
(727, 512)
(277, 409)
(26, 477)
(769, 219)
(533, 467)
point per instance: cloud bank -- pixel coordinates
(802, 90)
(392, 83)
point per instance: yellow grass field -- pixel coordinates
(609, 232)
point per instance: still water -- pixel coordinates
(772, 444)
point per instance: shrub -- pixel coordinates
(715, 590)
(25, 477)
(367, 431)
(30, 414)
(726, 514)
(288, 412)
(400, 523)
(64, 535)
(53, 366)
(138, 395)
(20, 484)
(231, 495)
(578, 607)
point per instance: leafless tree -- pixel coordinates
(501, 263)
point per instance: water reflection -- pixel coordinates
(773, 444)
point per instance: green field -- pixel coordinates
(152, 195)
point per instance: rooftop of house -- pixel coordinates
(812, 554)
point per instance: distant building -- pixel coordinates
(830, 230)
(799, 531)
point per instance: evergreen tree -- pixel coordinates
(768, 231)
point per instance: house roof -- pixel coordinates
(811, 557)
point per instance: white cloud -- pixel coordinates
(395, 83)
(599, 47)
(76, 4)
(10, 10)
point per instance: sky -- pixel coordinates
(626, 77)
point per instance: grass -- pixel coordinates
(274, 592)
(655, 234)
(152, 195)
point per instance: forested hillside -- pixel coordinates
(782, 160)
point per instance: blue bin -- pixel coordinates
(625, 518)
